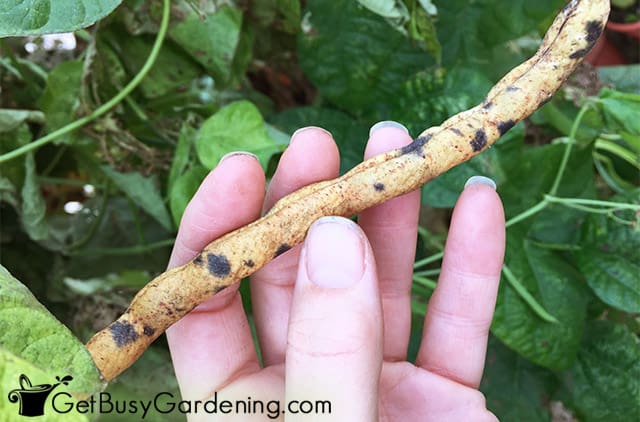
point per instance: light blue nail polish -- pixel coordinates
(480, 180)
(387, 123)
(234, 153)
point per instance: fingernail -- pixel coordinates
(387, 123)
(235, 153)
(480, 180)
(307, 128)
(334, 253)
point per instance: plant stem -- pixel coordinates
(623, 153)
(567, 151)
(593, 202)
(106, 106)
(526, 296)
(426, 282)
(130, 250)
(528, 213)
(428, 260)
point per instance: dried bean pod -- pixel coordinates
(238, 254)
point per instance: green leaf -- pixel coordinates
(29, 332)
(624, 78)
(354, 59)
(350, 135)
(11, 119)
(621, 110)
(514, 387)
(34, 208)
(36, 17)
(173, 70)
(609, 257)
(557, 287)
(211, 39)
(604, 382)
(144, 192)
(236, 127)
(183, 190)
(430, 97)
(468, 30)
(182, 153)
(60, 98)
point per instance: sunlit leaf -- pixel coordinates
(35, 17)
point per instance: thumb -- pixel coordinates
(334, 350)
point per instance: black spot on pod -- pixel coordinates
(512, 88)
(218, 265)
(248, 263)
(593, 30)
(415, 147)
(487, 105)
(282, 249)
(148, 331)
(378, 186)
(198, 260)
(123, 333)
(456, 131)
(479, 140)
(503, 127)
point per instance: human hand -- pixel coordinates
(333, 315)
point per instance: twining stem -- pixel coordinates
(104, 108)
(526, 296)
(567, 151)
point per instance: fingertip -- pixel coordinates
(385, 136)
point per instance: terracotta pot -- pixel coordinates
(604, 53)
(630, 29)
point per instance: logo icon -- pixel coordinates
(33, 397)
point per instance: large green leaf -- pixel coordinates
(35, 17)
(355, 59)
(236, 127)
(144, 192)
(604, 382)
(30, 333)
(609, 257)
(557, 287)
(469, 30)
(514, 387)
(210, 38)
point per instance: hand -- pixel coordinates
(333, 315)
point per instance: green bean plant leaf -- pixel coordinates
(609, 257)
(28, 332)
(144, 192)
(604, 382)
(238, 126)
(37, 17)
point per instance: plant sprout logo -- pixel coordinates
(33, 397)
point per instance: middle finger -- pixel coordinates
(392, 229)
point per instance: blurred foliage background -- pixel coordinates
(88, 212)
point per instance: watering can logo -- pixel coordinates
(33, 397)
